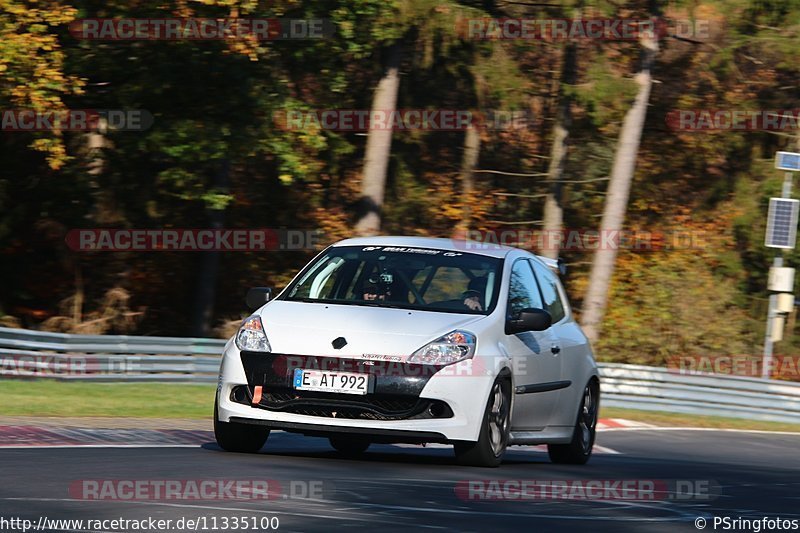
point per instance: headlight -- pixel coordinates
(446, 350)
(251, 336)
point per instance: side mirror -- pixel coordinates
(257, 296)
(529, 319)
(562, 267)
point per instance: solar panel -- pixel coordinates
(787, 161)
(782, 223)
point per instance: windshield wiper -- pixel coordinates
(310, 300)
(379, 304)
(370, 303)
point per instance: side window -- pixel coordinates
(552, 299)
(522, 291)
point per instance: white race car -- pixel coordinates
(407, 339)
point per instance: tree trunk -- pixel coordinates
(96, 142)
(469, 160)
(378, 150)
(594, 303)
(206, 288)
(553, 207)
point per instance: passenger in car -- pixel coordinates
(474, 294)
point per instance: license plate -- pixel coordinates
(331, 381)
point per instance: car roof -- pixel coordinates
(458, 245)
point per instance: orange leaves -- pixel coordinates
(32, 63)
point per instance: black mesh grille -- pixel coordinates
(368, 407)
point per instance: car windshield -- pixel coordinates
(395, 276)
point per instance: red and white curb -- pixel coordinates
(68, 437)
(616, 423)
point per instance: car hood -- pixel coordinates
(301, 328)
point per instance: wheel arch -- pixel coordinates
(505, 373)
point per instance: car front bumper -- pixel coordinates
(462, 388)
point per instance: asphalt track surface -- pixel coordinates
(393, 488)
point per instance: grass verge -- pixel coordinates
(145, 400)
(168, 400)
(661, 418)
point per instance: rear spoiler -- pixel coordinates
(556, 265)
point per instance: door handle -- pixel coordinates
(555, 349)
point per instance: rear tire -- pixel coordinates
(578, 451)
(349, 446)
(492, 441)
(235, 437)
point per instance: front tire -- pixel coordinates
(235, 437)
(493, 439)
(578, 451)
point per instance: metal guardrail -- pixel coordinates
(662, 389)
(125, 344)
(123, 358)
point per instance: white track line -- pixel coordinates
(601, 449)
(729, 430)
(513, 448)
(604, 449)
(67, 446)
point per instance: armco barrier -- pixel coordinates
(62, 356)
(123, 358)
(662, 389)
